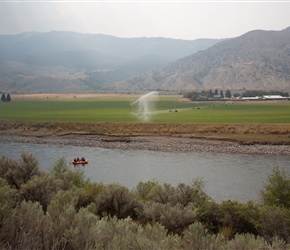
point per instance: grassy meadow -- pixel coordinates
(263, 122)
(164, 110)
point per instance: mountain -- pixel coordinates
(71, 62)
(257, 60)
(59, 61)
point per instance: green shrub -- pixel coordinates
(69, 178)
(92, 190)
(174, 218)
(276, 191)
(247, 242)
(7, 203)
(234, 216)
(82, 232)
(275, 222)
(29, 226)
(57, 210)
(60, 216)
(193, 195)
(143, 190)
(59, 167)
(198, 237)
(126, 234)
(18, 173)
(40, 189)
(116, 200)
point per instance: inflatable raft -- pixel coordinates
(80, 162)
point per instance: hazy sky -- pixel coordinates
(171, 19)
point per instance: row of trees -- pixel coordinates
(62, 209)
(207, 95)
(5, 98)
(210, 95)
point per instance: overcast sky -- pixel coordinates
(187, 20)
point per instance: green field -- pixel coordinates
(166, 110)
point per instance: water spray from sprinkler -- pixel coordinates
(145, 105)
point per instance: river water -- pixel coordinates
(226, 176)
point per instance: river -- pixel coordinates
(226, 176)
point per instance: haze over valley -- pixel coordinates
(65, 62)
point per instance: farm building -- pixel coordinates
(274, 97)
(266, 97)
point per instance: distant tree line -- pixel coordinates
(5, 98)
(207, 95)
(62, 209)
(217, 95)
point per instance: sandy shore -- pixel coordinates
(153, 143)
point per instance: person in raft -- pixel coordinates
(83, 159)
(78, 159)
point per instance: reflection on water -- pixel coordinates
(226, 176)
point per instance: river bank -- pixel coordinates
(151, 143)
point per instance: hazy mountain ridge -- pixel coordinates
(256, 60)
(69, 62)
(88, 61)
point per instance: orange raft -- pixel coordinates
(80, 162)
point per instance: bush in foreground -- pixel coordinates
(276, 191)
(61, 209)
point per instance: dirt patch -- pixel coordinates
(68, 96)
(78, 96)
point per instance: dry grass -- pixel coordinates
(78, 96)
(65, 96)
(263, 134)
